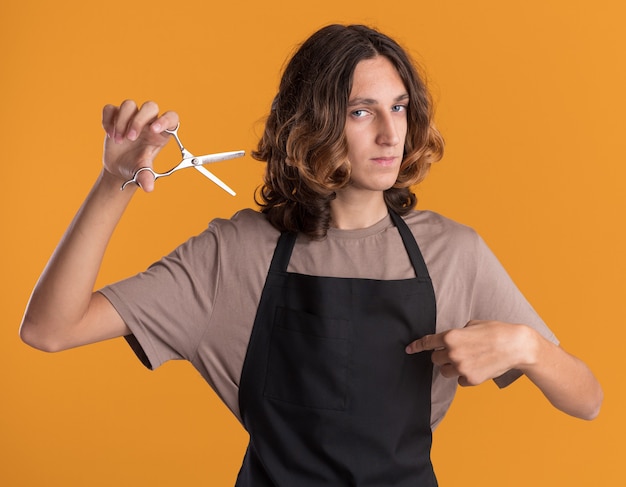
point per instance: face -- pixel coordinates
(376, 125)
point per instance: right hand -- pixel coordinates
(134, 136)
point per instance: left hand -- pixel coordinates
(480, 351)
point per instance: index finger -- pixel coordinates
(427, 342)
(168, 120)
(148, 112)
(108, 116)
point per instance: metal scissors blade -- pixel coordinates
(210, 158)
(220, 156)
(215, 179)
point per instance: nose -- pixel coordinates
(387, 131)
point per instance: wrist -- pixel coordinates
(107, 194)
(530, 348)
(113, 184)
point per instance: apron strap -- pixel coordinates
(411, 245)
(282, 254)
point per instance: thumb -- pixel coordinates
(145, 180)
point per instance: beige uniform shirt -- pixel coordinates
(199, 303)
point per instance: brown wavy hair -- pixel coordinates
(304, 144)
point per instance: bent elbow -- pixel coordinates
(32, 335)
(593, 415)
(590, 409)
(594, 412)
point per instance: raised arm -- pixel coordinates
(63, 311)
(484, 350)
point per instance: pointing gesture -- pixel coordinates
(480, 351)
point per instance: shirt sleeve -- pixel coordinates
(168, 307)
(496, 297)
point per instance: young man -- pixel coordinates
(337, 322)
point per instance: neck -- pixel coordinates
(351, 212)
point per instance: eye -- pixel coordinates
(399, 108)
(359, 113)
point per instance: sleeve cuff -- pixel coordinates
(507, 378)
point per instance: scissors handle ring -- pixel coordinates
(137, 172)
(174, 130)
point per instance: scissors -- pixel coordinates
(189, 160)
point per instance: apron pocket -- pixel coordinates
(309, 360)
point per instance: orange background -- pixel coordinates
(531, 101)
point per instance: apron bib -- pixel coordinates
(327, 393)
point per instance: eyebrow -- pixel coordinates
(371, 101)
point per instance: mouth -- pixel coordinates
(385, 161)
